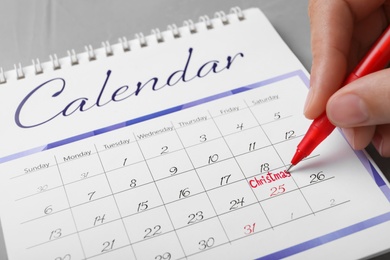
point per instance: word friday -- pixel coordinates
(122, 93)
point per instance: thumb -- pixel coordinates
(364, 102)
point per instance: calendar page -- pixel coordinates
(194, 171)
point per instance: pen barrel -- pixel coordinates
(319, 129)
(351, 77)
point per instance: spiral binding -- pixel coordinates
(91, 52)
(37, 67)
(174, 30)
(19, 71)
(107, 47)
(157, 34)
(125, 44)
(2, 76)
(190, 25)
(56, 63)
(222, 16)
(206, 20)
(141, 40)
(73, 57)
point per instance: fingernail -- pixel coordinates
(349, 135)
(308, 100)
(377, 142)
(347, 110)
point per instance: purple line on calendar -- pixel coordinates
(374, 174)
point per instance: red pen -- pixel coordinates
(376, 59)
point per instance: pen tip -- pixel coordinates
(289, 168)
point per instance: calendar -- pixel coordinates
(204, 178)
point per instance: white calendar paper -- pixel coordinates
(179, 150)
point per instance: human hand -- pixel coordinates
(342, 31)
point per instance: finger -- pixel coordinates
(364, 102)
(332, 24)
(359, 137)
(381, 140)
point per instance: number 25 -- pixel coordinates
(277, 190)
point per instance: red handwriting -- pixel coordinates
(268, 178)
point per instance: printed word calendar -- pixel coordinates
(128, 156)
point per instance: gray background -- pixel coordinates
(33, 29)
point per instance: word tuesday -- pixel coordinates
(122, 93)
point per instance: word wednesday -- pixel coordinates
(122, 93)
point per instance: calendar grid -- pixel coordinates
(248, 205)
(71, 211)
(217, 215)
(164, 205)
(245, 177)
(194, 168)
(277, 152)
(231, 183)
(211, 189)
(116, 203)
(256, 232)
(264, 230)
(204, 188)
